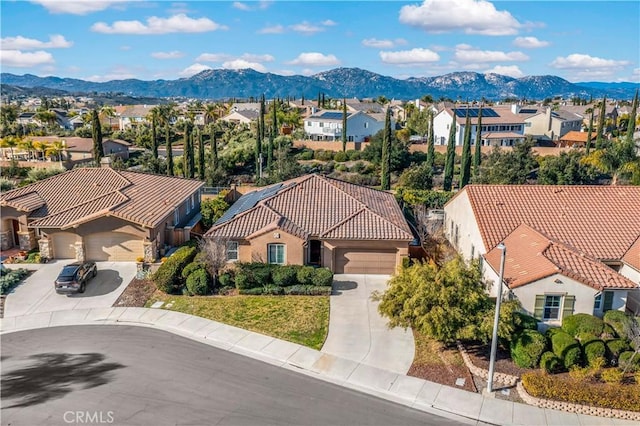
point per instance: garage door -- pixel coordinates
(113, 246)
(350, 261)
(64, 245)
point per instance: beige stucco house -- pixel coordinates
(569, 249)
(316, 220)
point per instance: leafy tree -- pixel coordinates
(212, 210)
(477, 156)
(418, 122)
(465, 163)
(431, 150)
(417, 177)
(601, 119)
(451, 155)
(617, 158)
(96, 133)
(385, 177)
(509, 167)
(400, 157)
(344, 125)
(568, 168)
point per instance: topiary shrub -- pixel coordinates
(585, 338)
(617, 320)
(322, 277)
(525, 322)
(550, 363)
(340, 157)
(614, 348)
(198, 282)
(527, 347)
(567, 349)
(285, 276)
(252, 275)
(226, 280)
(608, 332)
(305, 275)
(628, 361)
(193, 266)
(168, 278)
(594, 350)
(551, 331)
(580, 323)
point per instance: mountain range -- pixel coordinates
(335, 83)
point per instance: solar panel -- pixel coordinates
(331, 115)
(474, 112)
(528, 111)
(248, 201)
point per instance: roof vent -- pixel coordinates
(105, 163)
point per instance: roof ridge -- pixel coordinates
(330, 181)
(75, 206)
(343, 221)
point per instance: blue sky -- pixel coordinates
(104, 40)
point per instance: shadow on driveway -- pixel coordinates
(339, 286)
(105, 282)
(53, 375)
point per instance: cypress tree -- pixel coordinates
(465, 163)
(600, 130)
(214, 148)
(323, 101)
(273, 134)
(451, 154)
(477, 158)
(263, 112)
(96, 134)
(431, 150)
(201, 165)
(386, 153)
(188, 163)
(631, 126)
(344, 125)
(319, 100)
(588, 147)
(154, 136)
(258, 149)
(169, 149)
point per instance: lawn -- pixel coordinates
(298, 319)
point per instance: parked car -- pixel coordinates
(73, 277)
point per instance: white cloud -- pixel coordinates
(586, 62)
(410, 57)
(118, 75)
(179, 23)
(470, 16)
(465, 53)
(384, 43)
(22, 43)
(239, 64)
(257, 58)
(225, 57)
(306, 28)
(329, 23)
(175, 54)
(261, 5)
(275, 29)
(193, 70)
(315, 59)
(529, 42)
(241, 6)
(509, 70)
(19, 59)
(76, 7)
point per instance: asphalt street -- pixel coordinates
(138, 376)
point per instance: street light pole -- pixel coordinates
(496, 320)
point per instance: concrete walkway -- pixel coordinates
(358, 333)
(445, 401)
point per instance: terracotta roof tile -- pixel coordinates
(26, 202)
(365, 225)
(80, 213)
(246, 223)
(632, 256)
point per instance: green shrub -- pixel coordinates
(305, 275)
(614, 348)
(10, 278)
(307, 290)
(527, 347)
(285, 276)
(252, 275)
(340, 157)
(307, 154)
(226, 280)
(580, 323)
(354, 155)
(567, 349)
(628, 361)
(526, 322)
(612, 375)
(552, 331)
(550, 363)
(273, 290)
(190, 268)
(608, 332)
(251, 291)
(585, 338)
(594, 350)
(167, 278)
(617, 320)
(198, 282)
(322, 277)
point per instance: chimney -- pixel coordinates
(105, 163)
(515, 108)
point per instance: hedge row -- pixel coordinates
(260, 275)
(298, 290)
(168, 277)
(566, 348)
(11, 277)
(582, 323)
(527, 347)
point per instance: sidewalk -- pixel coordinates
(445, 401)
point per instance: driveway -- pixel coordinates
(36, 293)
(358, 332)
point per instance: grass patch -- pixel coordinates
(298, 319)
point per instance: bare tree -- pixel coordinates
(632, 329)
(430, 229)
(214, 253)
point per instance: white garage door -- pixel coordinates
(352, 261)
(64, 245)
(113, 246)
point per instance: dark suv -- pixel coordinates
(73, 277)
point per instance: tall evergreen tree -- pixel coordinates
(477, 157)
(385, 171)
(323, 101)
(631, 126)
(214, 148)
(465, 163)
(154, 135)
(263, 112)
(96, 134)
(451, 155)
(258, 148)
(272, 134)
(589, 132)
(188, 160)
(201, 163)
(344, 125)
(319, 101)
(167, 133)
(601, 118)
(431, 150)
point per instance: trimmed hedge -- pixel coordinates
(617, 320)
(198, 282)
(628, 361)
(285, 276)
(550, 363)
(305, 275)
(594, 350)
(608, 332)
(168, 278)
(322, 277)
(258, 275)
(567, 349)
(527, 322)
(585, 338)
(308, 290)
(614, 348)
(527, 347)
(226, 280)
(252, 275)
(193, 266)
(582, 323)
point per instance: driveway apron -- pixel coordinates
(358, 332)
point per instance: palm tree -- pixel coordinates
(9, 142)
(109, 112)
(40, 147)
(55, 149)
(26, 145)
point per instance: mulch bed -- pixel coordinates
(444, 374)
(479, 354)
(136, 294)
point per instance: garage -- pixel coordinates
(113, 246)
(64, 245)
(356, 261)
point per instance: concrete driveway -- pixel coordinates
(358, 332)
(36, 293)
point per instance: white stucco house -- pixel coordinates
(326, 125)
(569, 249)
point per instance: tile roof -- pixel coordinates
(322, 207)
(600, 221)
(632, 256)
(82, 194)
(532, 256)
(506, 116)
(576, 136)
(77, 144)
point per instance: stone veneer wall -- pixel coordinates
(45, 248)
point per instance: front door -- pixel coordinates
(315, 252)
(16, 227)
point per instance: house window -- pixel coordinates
(232, 251)
(176, 217)
(321, 124)
(275, 253)
(597, 303)
(473, 251)
(366, 125)
(552, 307)
(607, 301)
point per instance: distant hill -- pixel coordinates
(337, 83)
